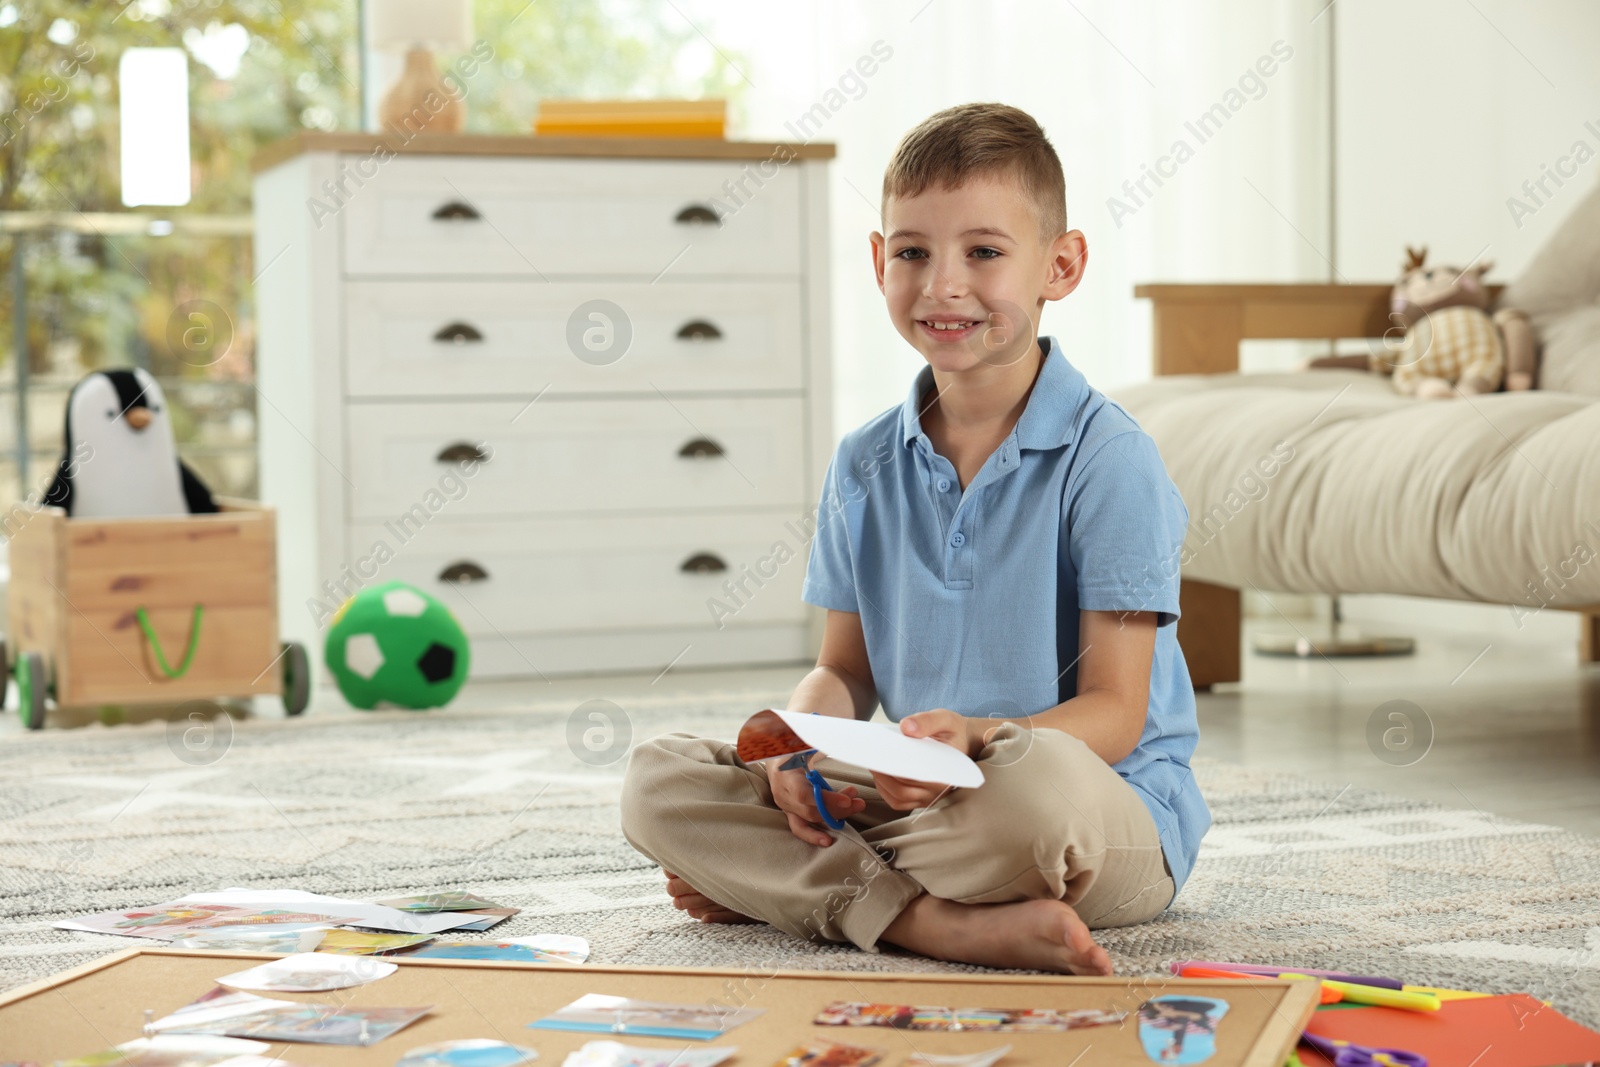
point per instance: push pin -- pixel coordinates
(619, 1027)
(366, 1038)
(149, 1021)
(955, 1021)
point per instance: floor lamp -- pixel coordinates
(1335, 642)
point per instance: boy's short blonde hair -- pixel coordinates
(958, 143)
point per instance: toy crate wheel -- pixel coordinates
(296, 678)
(32, 683)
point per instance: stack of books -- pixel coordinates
(632, 118)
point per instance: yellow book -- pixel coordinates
(632, 118)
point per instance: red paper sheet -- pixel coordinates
(1507, 1031)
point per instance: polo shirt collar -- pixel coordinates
(1049, 420)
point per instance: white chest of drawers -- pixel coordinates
(424, 306)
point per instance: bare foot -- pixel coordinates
(699, 906)
(1042, 935)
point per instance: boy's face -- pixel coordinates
(966, 272)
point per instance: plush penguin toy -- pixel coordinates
(120, 457)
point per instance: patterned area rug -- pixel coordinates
(522, 807)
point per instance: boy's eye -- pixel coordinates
(909, 253)
(986, 253)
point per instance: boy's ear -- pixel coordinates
(878, 255)
(1069, 258)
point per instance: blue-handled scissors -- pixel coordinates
(1350, 1054)
(819, 786)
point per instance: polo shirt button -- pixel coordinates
(944, 485)
(958, 539)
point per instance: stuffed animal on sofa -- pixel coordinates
(1450, 342)
(120, 458)
(1445, 341)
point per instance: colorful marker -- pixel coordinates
(1386, 998)
(1326, 993)
(1444, 994)
(1273, 972)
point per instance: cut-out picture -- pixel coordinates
(140, 920)
(1180, 1030)
(828, 1054)
(955, 1020)
(180, 918)
(540, 948)
(361, 943)
(282, 939)
(471, 1052)
(454, 900)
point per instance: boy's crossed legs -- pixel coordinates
(1014, 873)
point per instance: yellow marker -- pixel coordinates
(1444, 994)
(1384, 998)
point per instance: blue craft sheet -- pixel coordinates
(471, 1052)
(487, 950)
(637, 1031)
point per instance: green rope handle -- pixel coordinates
(155, 642)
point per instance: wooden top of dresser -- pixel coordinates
(472, 144)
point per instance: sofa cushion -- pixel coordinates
(1565, 272)
(1330, 482)
(1569, 353)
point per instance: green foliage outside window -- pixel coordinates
(260, 70)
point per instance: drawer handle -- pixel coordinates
(700, 448)
(456, 211)
(464, 573)
(698, 215)
(461, 452)
(699, 330)
(459, 333)
(703, 563)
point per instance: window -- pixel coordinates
(170, 289)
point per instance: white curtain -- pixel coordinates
(1114, 86)
(1449, 112)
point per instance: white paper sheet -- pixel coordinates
(203, 1045)
(616, 1054)
(354, 912)
(881, 747)
(310, 972)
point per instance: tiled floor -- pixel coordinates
(1515, 726)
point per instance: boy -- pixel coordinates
(998, 567)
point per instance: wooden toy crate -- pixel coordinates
(149, 611)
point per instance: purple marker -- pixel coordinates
(1273, 972)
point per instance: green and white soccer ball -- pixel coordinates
(395, 645)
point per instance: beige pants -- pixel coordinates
(1051, 821)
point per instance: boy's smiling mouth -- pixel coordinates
(946, 328)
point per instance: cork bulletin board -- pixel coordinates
(102, 1003)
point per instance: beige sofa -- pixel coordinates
(1328, 481)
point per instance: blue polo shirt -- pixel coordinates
(969, 600)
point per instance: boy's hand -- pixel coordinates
(792, 795)
(941, 724)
